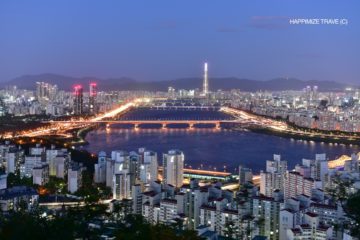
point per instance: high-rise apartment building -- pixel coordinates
(149, 168)
(245, 175)
(296, 184)
(173, 163)
(75, 177)
(273, 178)
(45, 91)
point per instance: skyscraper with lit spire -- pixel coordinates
(206, 81)
(78, 100)
(92, 97)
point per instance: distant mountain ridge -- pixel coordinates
(124, 83)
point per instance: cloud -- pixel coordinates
(269, 22)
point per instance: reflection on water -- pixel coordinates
(213, 148)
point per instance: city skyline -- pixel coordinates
(118, 39)
(181, 120)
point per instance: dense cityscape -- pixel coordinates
(45, 168)
(176, 120)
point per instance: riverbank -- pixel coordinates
(306, 137)
(307, 134)
(81, 134)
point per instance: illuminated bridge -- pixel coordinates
(63, 127)
(163, 123)
(171, 107)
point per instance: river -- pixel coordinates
(209, 148)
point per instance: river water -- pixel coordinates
(208, 148)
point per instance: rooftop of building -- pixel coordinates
(311, 214)
(320, 205)
(150, 193)
(17, 191)
(260, 238)
(208, 234)
(207, 207)
(288, 210)
(169, 200)
(231, 211)
(265, 198)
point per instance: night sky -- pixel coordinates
(167, 39)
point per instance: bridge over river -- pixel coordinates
(162, 123)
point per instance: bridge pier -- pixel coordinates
(136, 126)
(164, 126)
(217, 125)
(191, 125)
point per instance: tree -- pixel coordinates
(88, 191)
(104, 191)
(230, 229)
(22, 225)
(349, 202)
(56, 185)
(15, 180)
(134, 227)
(339, 190)
(323, 103)
(352, 209)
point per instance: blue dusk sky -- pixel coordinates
(166, 39)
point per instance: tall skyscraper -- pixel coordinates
(78, 99)
(92, 97)
(206, 81)
(173, 163)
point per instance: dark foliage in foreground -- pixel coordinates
(74, 223)
(352, 208)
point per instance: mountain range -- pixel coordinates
(124, 83)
